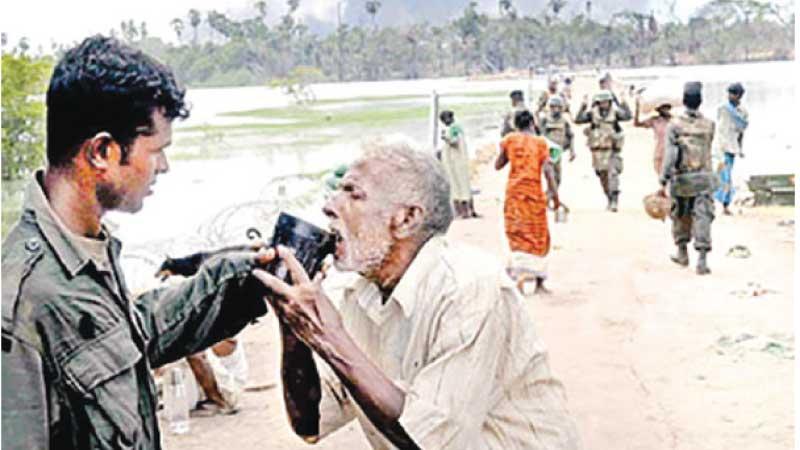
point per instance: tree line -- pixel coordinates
(214, 49)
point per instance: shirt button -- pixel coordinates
(32, 245)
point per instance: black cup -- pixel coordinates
(310, 243)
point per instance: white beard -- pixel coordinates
(363, 255)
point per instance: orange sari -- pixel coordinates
(525, 210)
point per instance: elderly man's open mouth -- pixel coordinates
(340, 246)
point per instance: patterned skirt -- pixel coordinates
(527, 233)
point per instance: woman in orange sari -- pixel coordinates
(525, 210)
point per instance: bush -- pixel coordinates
(23, 87)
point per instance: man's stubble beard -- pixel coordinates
(107, 196)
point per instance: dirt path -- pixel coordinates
(652, 356)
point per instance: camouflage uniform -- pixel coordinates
(687, 166)
(605, 140)
(78, 351)
(544, 100)
(558, 130)
(508, 120)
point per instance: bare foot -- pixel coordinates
(521, 286)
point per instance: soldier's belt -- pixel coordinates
(692, 184)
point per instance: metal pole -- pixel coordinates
(434, 120)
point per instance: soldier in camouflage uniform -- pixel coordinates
(517, 105)
(555, 127)
(688, 169)
(605, 139)
(544, 98)
(77, 350)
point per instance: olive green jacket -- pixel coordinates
(77, 351)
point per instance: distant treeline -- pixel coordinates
(238, 52)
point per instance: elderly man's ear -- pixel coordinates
(407, 221)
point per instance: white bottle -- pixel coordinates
(176, 401)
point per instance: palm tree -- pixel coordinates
(507, 9)
(261, 6)
(194, 20)
(177, 26)
(556, 6)
(372, 7)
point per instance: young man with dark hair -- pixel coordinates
(77, 349)
(517, 105)
(733, 120)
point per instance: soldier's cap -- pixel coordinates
(552, 79)
(602, 96)
(736, 88)
(516, 94)
(605, 77)
(693, 88)
(555, 101)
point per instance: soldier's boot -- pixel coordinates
(613, 201)
(702, 265)
(682, 257)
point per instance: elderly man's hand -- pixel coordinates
(302, 306)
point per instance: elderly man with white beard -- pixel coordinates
(431, 345)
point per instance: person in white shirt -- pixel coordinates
(431, 345)
(732, 121)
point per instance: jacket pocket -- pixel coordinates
(102, 373)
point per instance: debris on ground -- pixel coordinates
(778, 345)
(786, 223)
(739, 251)
(260, 387)
(752, 289)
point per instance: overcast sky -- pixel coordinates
(44, 21)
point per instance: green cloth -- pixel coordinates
(555, 151)
(454, 131)
(333, 181)
(78, 350)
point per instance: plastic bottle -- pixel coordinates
(176, 402)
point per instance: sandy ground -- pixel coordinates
(652, 355)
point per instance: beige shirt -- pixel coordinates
(726, 138)
(456, 338)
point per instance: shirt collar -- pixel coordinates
(405, 293)
(67, 249)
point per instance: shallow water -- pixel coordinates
(769, 98)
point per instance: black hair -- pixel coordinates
(444, 115)
(105, 85)
(516, 94)
(736, 89)
(523, 119)
(693, 94)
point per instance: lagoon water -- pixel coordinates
(189, 199)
